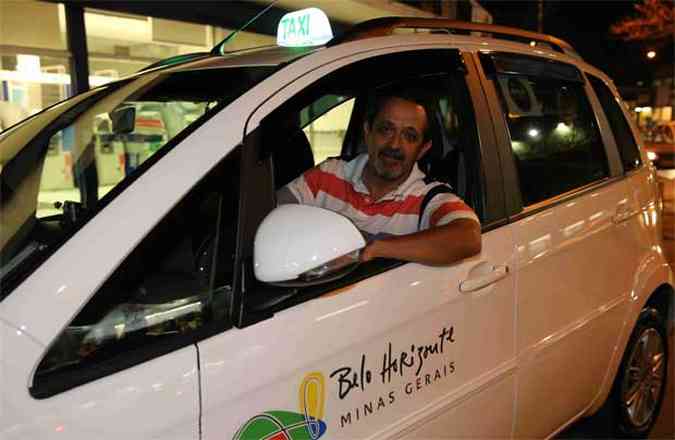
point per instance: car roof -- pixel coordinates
(390, 25)
(378, 27)
(275, 55)
(385, 31)
(258, 56)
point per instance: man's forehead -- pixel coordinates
(401, 111)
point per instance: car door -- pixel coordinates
(392, 349)
(574, 264)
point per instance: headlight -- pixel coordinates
(652, 156)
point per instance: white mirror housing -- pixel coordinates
(296, 240)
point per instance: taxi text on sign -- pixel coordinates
(307, 27)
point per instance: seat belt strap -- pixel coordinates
(433, 192)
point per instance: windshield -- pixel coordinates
(55, 177)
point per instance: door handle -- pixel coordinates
(494, 274)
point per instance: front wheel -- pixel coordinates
(639, 387)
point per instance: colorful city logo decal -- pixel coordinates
(287, 425)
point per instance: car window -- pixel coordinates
(325, 123)
(554, 135)
(77, 164)
(166, 293)
(625, 142)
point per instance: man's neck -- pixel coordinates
(377, 186)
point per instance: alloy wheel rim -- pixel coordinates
(643, 378)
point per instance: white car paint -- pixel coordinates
(577, 313)
(167, 387)
(409, 305)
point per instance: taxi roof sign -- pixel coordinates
(307, 27)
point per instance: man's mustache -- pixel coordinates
(392, 154)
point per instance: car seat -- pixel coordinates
(292, 156)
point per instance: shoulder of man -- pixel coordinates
(432, 190)
(304, 188)
(440, 206)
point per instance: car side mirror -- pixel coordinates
(298, 245)
(123, 119)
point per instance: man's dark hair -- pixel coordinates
(378, 97)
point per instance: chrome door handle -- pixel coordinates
(478, 282)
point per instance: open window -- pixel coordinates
(330, 115)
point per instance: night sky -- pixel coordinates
(585, 25)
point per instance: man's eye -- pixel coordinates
(384, 129)
(411, 136)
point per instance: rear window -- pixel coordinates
(555, 138)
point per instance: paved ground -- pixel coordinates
(665, 425)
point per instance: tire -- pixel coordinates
(640, 383)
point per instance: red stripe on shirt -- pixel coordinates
(318, 180)
(447, 208)
(313, 179)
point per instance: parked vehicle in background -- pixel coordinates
(135, 308)
(660, 145)
(665, 133)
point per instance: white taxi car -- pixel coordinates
(129, 302)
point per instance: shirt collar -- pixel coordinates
(359, 163)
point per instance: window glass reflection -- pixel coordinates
(554, 135)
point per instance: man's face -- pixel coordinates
(396, 138)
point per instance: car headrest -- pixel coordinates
(292, 156)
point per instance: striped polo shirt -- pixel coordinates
(337, 185)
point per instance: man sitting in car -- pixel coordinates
(382, 191)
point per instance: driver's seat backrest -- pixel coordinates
(292, 156)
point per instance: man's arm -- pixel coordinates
(438, 246)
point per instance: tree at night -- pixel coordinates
(654, 21)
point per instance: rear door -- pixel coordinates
(574, 264)
(393, 349)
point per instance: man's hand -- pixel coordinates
(439, 246)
